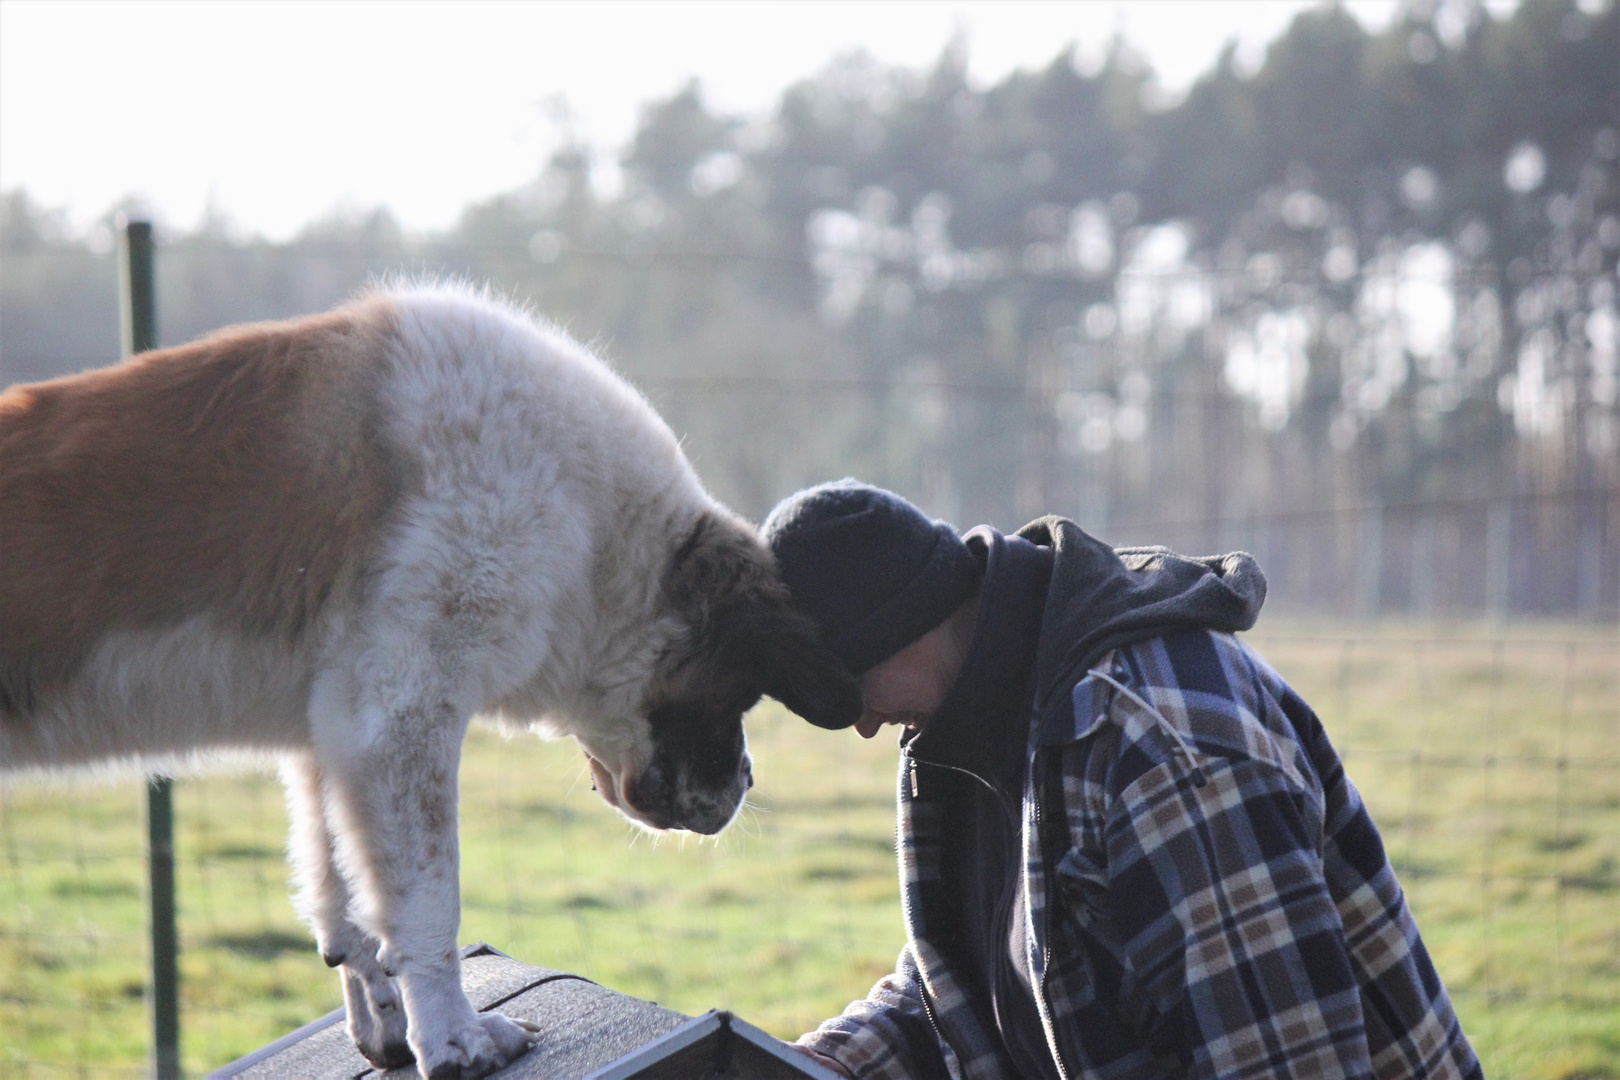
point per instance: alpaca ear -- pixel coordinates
(804, 675)
(725, 582)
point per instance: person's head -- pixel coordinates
(892, 592)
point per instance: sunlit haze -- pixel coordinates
(275, 114)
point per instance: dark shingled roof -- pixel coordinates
(589, 1033)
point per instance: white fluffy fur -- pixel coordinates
(529, 460)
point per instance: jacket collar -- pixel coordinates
(982, 726)
(1101, 599)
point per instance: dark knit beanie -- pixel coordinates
(872, 570)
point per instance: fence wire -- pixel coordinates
(1490, 758)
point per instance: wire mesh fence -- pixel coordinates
(1490, 762)
(1091, 398)
(1489, 754)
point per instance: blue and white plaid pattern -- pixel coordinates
(1207, 897)
(896, 1030)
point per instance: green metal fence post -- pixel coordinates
(139, 297)
(165, 933)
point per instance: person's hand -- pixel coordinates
(823, 1060)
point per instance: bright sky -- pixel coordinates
(278, 112)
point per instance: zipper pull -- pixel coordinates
(914, 791)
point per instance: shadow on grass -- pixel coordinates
(264, 945)
(94, 889)
(245, 851)
(587, 902)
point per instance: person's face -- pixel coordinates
(910, 686)
(904, 689)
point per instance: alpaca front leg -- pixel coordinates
(375, 1011)
(392, 809)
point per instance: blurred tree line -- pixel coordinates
(1354, 310)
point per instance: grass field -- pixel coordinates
(1492, 766)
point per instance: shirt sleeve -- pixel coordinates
(887, 1035)
(1235, 957)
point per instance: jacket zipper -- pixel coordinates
(1012, 818)
(905, 910)
(1041, 1006)
(1044, 1005)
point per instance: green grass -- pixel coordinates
(1511, 861)
(1493, 770)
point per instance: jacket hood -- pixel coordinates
(1101, 599)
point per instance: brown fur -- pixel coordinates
(121, 491)
(187, 548)
(748, 639)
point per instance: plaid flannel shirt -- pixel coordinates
(1206, 897)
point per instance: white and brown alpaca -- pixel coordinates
(337, 539)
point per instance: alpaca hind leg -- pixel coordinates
(371, 998)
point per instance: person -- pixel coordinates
(1127, 847)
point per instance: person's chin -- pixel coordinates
(873, 722)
